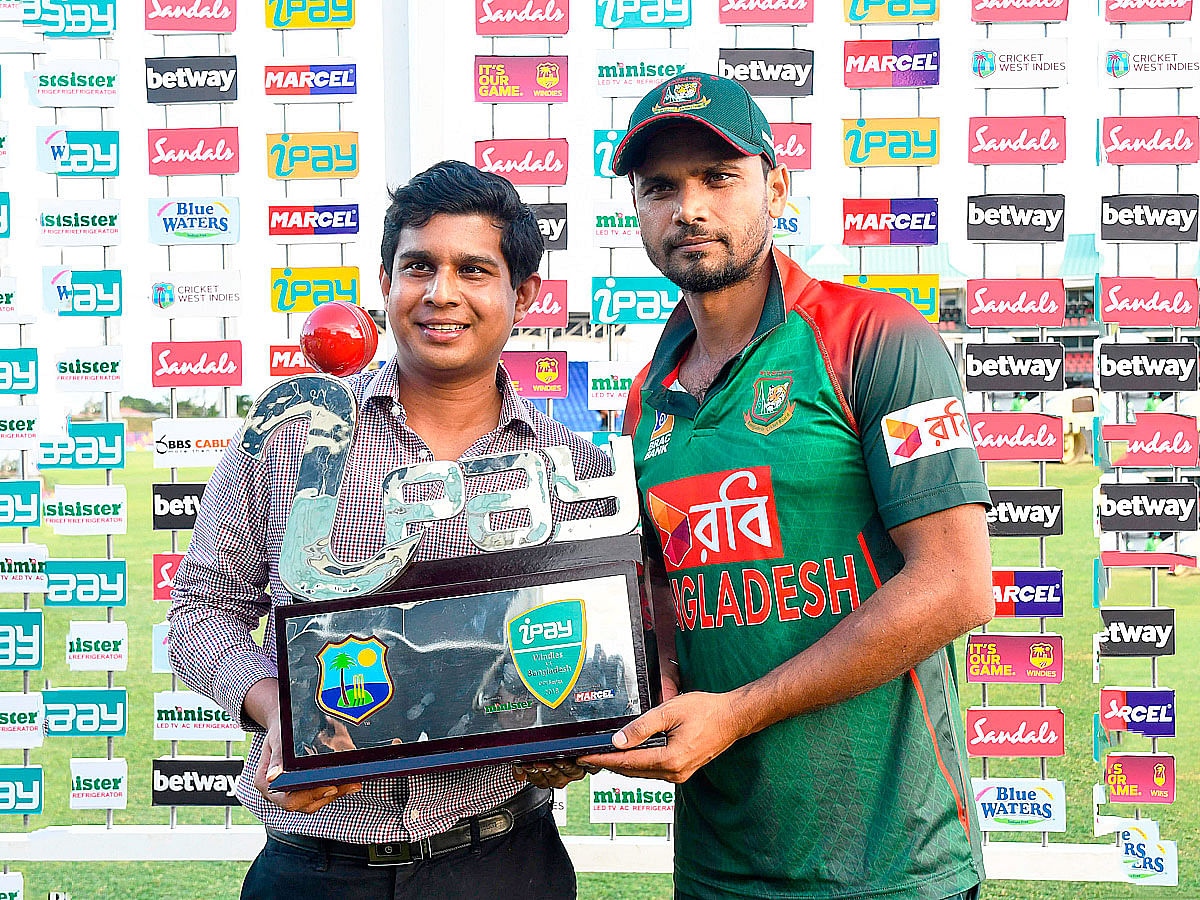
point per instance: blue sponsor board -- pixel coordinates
(85, 582)
(18, 370)
(21, 790)
(1027, 593)
(87, 445)
(628, 300)
(82, 292)
(85, 712)
(71, 18)
(1145, 711)
(5, 215)
(604, 147)
(20, 504)
(643, 13)
(71, 153)
(21, 634)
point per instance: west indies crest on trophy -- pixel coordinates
(534, 646)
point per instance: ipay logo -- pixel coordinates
(643, 13)
(85, 292)
(71, 18)
(21, 789)
(20, 503)
(331, 154)
(890, 142)
(77, 712)
(87, 445)
(20, 640)
(18, 371)
(632, 299)
(310, 13)
(85, 582)
(860, 11)
(301, 290)
(75, 153)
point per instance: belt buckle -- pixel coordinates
(393, 853)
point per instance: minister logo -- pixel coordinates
(315, 154)
(191, 16)
(643, 13)
(71, 153)
(196, 220)
(507, 18)
(191, 79)
(1016, 217)
(71, 18)
(1156, 506)
(1020, 367)
(622, 299)
(1147, 367)
(863, 12)
(1148, 10)
(1145, 711)
(1016, 302)
(1017, 140)
(769, 73)
(85, 582)
(283, 14)
(717, 518)
(1149, 217)
(304, 289)
(524, 161)
(1019, 10)
(1150, 140)
(890, 142)
(631, 73)
(1025, 512)
(1015, 731)
(193, 151)
(765, 12)
(885, 64)
(1024, 593)
(331, 82)
(74, 83)
(1155, 439)
(82, 292)
(909, 221)
(335, 222)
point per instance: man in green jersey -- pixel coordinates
(814, 519)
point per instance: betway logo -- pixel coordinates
(195, 782)
(761, 70)
(1144, 366)
(1014, 216)
(1044, 369)
(1145, 215)
(187, 77)
(1034, 514)
(1177, 508)
(1157, 635)
(188, 505)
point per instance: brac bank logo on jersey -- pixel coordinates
(72, 154)
(909, 221)
(717, 519)
(643, 13)
(71, 18)
(896, 12)
(524, 161)
(1150, 140)
(508, 18)
(196, 220)
(987, 11)
(925, 429)
(1016, 303)
(1020, 804)
(282, 14)
(1145, 711)
(193, 151)
(1147, 10)
(1015, 731)
(82, 292)
(765, 12)
(303, 289)
(885, 64)
(191, 16)
(1017, 140)
(632, 299)
(335, 81)
(315, 154)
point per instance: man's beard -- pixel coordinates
(692, 276)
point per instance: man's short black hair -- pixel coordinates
(457, 188)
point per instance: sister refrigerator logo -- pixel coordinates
(74, 83)
(78, 223)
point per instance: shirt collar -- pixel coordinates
(513, 408)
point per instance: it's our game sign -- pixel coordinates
(1015, 658)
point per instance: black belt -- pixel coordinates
(482, 827)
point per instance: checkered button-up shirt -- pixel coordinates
(229, 580)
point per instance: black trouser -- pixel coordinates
(527, 863)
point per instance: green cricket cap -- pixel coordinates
(709, 100)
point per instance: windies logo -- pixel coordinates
(548, 644)
(547, 74)
(984, 63)
(546, 370)
(1117, 63)
(1041, 655)
(681, 94)
(369, 689)
(770, 409)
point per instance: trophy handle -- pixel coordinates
(307, 566)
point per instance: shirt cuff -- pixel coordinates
(936, 499)
(235, 675)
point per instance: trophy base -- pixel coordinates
(528, 752)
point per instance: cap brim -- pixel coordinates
(634, 143)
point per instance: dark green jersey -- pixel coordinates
(768, 506)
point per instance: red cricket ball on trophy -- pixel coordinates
(339, 338)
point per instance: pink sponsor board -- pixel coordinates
(521, 79)
(1149, 302)
(1015, 731)
(549, 310)
(1016, 302)
(193, 151)
(1019, 10)
(1148, 10)
(193, 16)
(1140, 777)
(196, 363)
(1156, 439)
(793, 144)
(537, 374)
(765, 12)
(1141, 559)
(524, 161)
(162, 574)
(1014, 658)
(505, 18)
(1150, 140)
(1017, 436)
(1017, 140)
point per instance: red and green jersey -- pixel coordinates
(768, 505)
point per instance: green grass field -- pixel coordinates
(184, 881)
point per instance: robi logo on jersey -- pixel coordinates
(717, 518)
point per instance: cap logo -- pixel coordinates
(682, 94)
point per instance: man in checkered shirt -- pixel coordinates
(460, 253)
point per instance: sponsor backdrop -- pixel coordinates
(991, 162)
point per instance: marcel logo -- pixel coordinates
(317, 81)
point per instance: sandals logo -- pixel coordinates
(547, 644)
(370, 685)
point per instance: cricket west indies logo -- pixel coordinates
(1019, 10)
(521, 79)
(643, 13)
(910, 221)
(1140, 777)
(330, 82)
(717, 518)
(548, 644)
(1027, 593)
(1014, 658)
(195, 16)
(1020, 804)
(370, 682)
(1146, 711)
(861, 12)
(1020, 63)
(314, 154)
(1027, 437)
(913, 63)
(891, 142)
(1155, 439)
(1016, 302)
(1017, 140)
(925, 429)
(1148, 10)
(524, 161)
(765, 12)
(196, 363)
(193, 151)
(537, 374)
(772, 407)
(1015, 731)
(313, 222)
(310, 14)
(505, 18)
(1150, 140)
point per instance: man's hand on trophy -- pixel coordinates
(551, 773)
